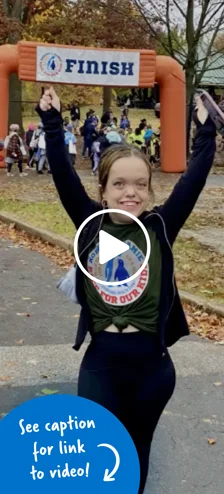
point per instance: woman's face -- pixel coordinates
(127, 188)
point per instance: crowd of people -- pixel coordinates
(97, 133)
(31, 149)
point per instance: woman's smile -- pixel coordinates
(130, 205)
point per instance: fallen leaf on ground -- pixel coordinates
(12, 226)
(211, 441)
(19, 342)
(5, 378)
(217, 384)
(23, 314)
(47, 391)
(26, 298)
(209, 326)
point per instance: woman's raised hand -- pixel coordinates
(50, 99)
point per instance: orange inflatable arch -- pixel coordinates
(103, 67)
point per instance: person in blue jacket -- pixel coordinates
(127, 367)
(90, 134)
(124, 122)
(70, 141)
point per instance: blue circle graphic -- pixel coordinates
(60, 442)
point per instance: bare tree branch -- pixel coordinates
(158, 13)
(209, 30)
(212, 54)
(180, 9)
(209, 48)
(205, 5)
(212, 15)
(157, 35)
(212, 68)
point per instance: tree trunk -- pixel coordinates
(107, 97)
(190, 86)
(15, 85)
(15, 101)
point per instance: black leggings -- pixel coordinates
(127, 374)
(19, 164)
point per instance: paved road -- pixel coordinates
(36, 356)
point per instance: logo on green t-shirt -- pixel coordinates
(119, 269)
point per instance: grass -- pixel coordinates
(198, 220)
(135, 115)
(199, 269)
(48, 216)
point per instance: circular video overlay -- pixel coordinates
(138, 272)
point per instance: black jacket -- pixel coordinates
(75, 113)
(166, 220)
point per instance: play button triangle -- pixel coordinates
(110, 247)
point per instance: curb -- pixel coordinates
(200, 302)
(66, 244)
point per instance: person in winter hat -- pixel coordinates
(14, 145)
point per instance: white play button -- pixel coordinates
(110, 247)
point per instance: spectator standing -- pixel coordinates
(89, 134)
(70, 141)
(124, 122)
(14, 150)
(138, 139)
(28, 139)
(75, 116)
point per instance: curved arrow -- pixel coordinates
(108, 477)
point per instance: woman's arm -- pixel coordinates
(73, 196)
(184, 196)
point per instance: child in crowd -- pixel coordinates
(66, 122)
(138, 139)
(14, 150)
(155, 147)
(121, 132)
(124, 122)
(96, 154)
(129, 136)
(147, 137)
(28, 139)
(34, 145)
(70, 141)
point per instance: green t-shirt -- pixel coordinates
(136, 302)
